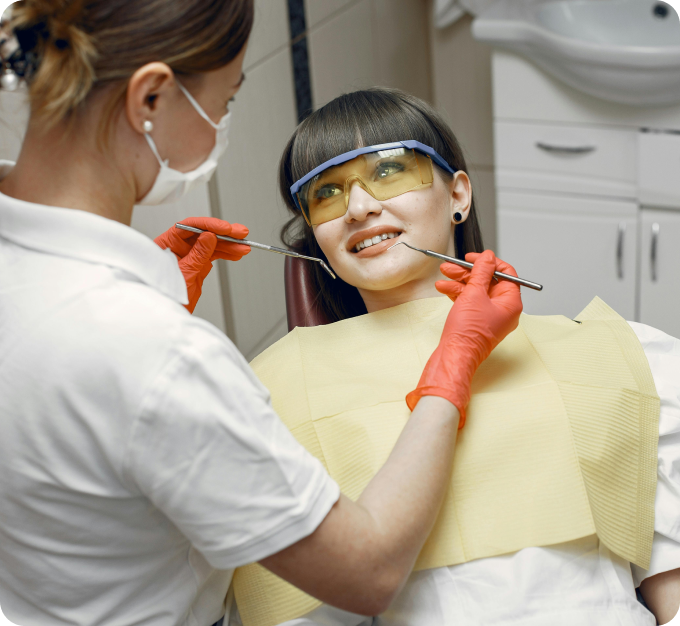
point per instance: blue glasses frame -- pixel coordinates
(410, 144)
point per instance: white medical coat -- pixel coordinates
(140, 458)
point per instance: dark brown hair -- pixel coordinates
(363, 118)
(79, 45)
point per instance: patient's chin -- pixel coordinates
(382, 274)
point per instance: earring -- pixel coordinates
(148, 126)
(9, 80)
(457, 217)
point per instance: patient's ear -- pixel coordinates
(460, 189)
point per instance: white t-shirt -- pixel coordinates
(579, 583)
(140, 458)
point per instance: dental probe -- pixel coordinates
(465, 264)
(259, 246)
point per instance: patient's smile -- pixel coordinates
(367, 243)
(370, 242)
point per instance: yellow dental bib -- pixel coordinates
(560, 440)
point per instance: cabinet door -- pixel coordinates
(660, 271)
(576, 248)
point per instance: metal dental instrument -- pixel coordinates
(465, 264)
(260, 246)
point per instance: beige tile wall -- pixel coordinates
(461, 79)
(244, 188)
(355, 44)
(13, 120)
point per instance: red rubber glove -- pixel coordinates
(196, 253)
(484, 313)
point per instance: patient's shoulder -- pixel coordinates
(280, 369)
(286, 348)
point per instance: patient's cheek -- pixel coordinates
(329, 237)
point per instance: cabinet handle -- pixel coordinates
(565, 149)
(653, 253)
(619, 250)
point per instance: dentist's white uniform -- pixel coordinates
(140, 458)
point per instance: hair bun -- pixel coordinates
(62, 54)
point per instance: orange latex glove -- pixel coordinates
(196, 253)
(484, 313)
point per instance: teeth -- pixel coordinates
(367, 243)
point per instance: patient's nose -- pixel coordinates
(361, 204)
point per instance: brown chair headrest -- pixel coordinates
(301, 297)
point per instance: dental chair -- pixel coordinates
(301, 307)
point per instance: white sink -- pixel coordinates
(625, 51)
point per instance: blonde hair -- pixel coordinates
(82, 45)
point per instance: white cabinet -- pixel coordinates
(660, 270)
(577, 248)
(588, 197)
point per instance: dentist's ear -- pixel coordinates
(461, 197)
(146, 89)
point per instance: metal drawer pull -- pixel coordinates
(654, 250)
(619, 250)
(565, 149)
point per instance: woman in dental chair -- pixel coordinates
(565, 494)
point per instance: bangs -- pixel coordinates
(355, 120)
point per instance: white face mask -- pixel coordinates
(171, 185)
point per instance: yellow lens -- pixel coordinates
(384, 175)
(323, 197)
(392, 173)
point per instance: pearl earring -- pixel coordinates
(9, 80)
(457, 217)
(148, 126)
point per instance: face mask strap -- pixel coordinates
(198, 107)
(152, 145)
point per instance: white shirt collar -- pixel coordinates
(90, 238)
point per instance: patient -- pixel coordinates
(351, 215)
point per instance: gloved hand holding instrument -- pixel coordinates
(485, 312)
(196, 253)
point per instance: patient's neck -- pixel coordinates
(416, 290)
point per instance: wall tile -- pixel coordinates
(319, 10)
(270, 31)
(264, 118)
(14, 111)
(484, 191)
(401, 46)
(341, 54)
(462, 88)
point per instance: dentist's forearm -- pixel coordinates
(361, 554)
(417, 472)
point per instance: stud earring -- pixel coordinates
(148, 126)
(457, 217)
(9, 80)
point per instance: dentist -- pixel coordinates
(140, 458)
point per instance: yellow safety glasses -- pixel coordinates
(384, 171)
